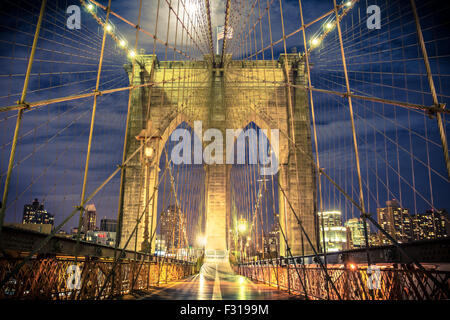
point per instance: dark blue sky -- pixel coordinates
(400, 149)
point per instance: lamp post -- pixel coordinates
(148, 160)
(241, 231)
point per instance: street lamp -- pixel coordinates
(131, 54)
(148, 137)
(315, 42)
(122, 43)
(242, 226)
(149, 151)
(329, 26)
(108, 28)
(241, 229)
(201, 241)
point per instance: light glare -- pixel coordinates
(315, 42)
(242, 227)
(201, 240)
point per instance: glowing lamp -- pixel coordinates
(131, 54)
(90, 7)
(242, 226)
(201, 240)
(122, 43)
(349, 3)
(108, 28)
(149, 151)
(315, 42)
(329, 25)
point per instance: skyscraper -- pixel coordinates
(433, 224)
(330, 224)
(172, 227)
(36, 214)
(396, 221)
(109, 225)
(271, 240)
(355, 228)
(89, 218)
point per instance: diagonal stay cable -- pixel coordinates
(77, 209)
(309, 158)
(116, 260)
(310, 243)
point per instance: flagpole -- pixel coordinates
(217, 40)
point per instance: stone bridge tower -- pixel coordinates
(223, 98)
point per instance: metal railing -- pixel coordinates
(61, 278)
(353, 282)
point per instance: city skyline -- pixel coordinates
(111, 126)
(333, 182)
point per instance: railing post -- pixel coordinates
(19, 116)
(167, 271)
(278, 275)
(288, 277)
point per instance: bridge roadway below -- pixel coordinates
(217, 281)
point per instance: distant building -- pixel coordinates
(172, 227)
(396, 221)
(37, 227)
(74, 231)
(109, 225)
(101, 237)
(374, 239)
(89, 218)
(160, 245)
(36, 214)
(330, 225)
(430, 225)
(271, 240)
(355, 230)
(63, 233)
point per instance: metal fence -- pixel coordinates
(60, 278)
(351, 282)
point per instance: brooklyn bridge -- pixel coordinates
(233, 149)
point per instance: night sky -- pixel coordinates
(400, 152)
